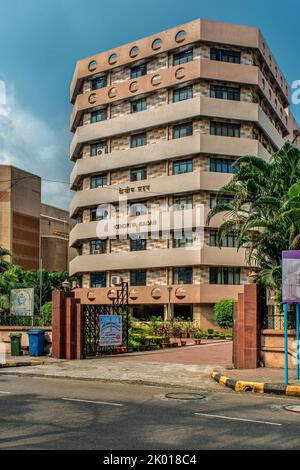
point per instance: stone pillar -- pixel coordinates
(67, 326)
(246, 329)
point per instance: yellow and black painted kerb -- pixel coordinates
(21, 364)
(257, 387)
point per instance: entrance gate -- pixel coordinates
(91, 324)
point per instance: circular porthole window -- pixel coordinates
(92, 98)
(180, 37)
(112, 92)
(157, 44)
(134, 51)
(113, 59)
(92, 66)
(180, 73)
(156, 80)
(133, 87)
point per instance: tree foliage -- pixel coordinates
(264, 212)
(15, 277)
(223, 311)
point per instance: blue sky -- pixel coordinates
(41, 40)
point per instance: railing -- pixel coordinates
(15, 320)
(271, 321)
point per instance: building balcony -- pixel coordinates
(155, 187)
(158, 221)
(159, 258)
(159, 294)
(174, 112)
(165, 150)
(198, 30)
(169, 77)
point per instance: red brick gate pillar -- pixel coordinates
(67, 326)
(246, 342)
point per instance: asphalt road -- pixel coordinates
(43, 413)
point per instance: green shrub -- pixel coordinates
(46, 314)
(223, 311)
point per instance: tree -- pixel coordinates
(4, 264)
(223, 311)
(264, 212)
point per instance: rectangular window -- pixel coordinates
(99, 115)
(182, 166)
(183, 202)
(182, 241)
(183, 57)
(138, 208)
(182, 94)
(98, 181)
(225, 129)
(228, 241)
(225, 55)
(99, 148)
(225, 93)
(224, 200)
(97, 247)
(98, 280)
(138, 244)
(99, 82)
(79, 282)
(138, 140)
(138, 71)
(98, 214)
(182, 130)
(138, 174)
(221, 165)
(139, 105)
(182, 276)
(138, 277)
(225, 276)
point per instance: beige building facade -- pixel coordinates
(35, 234)
(159, 122)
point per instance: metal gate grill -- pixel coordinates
(91, 324)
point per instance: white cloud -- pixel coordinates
(28, 142)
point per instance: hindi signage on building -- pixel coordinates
(110, 330)
(290, 277)
(22, 302)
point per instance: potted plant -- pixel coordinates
(183, 342)
(198, 335)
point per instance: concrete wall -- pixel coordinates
(272, 348)
(6, 331)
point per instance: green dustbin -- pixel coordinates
(15, 344)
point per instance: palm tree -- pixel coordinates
(264, 211)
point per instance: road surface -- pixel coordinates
(44, 413)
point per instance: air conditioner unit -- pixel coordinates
(116, 280)
(99, 151)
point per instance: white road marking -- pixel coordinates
(238, 419)
(91, 401)
(5, 393)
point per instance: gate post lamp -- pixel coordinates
(66, 285)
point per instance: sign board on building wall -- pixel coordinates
(290, 277)
(110, 330)
(22, 302)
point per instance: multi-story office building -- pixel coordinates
(35, 234)
(160, 121)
